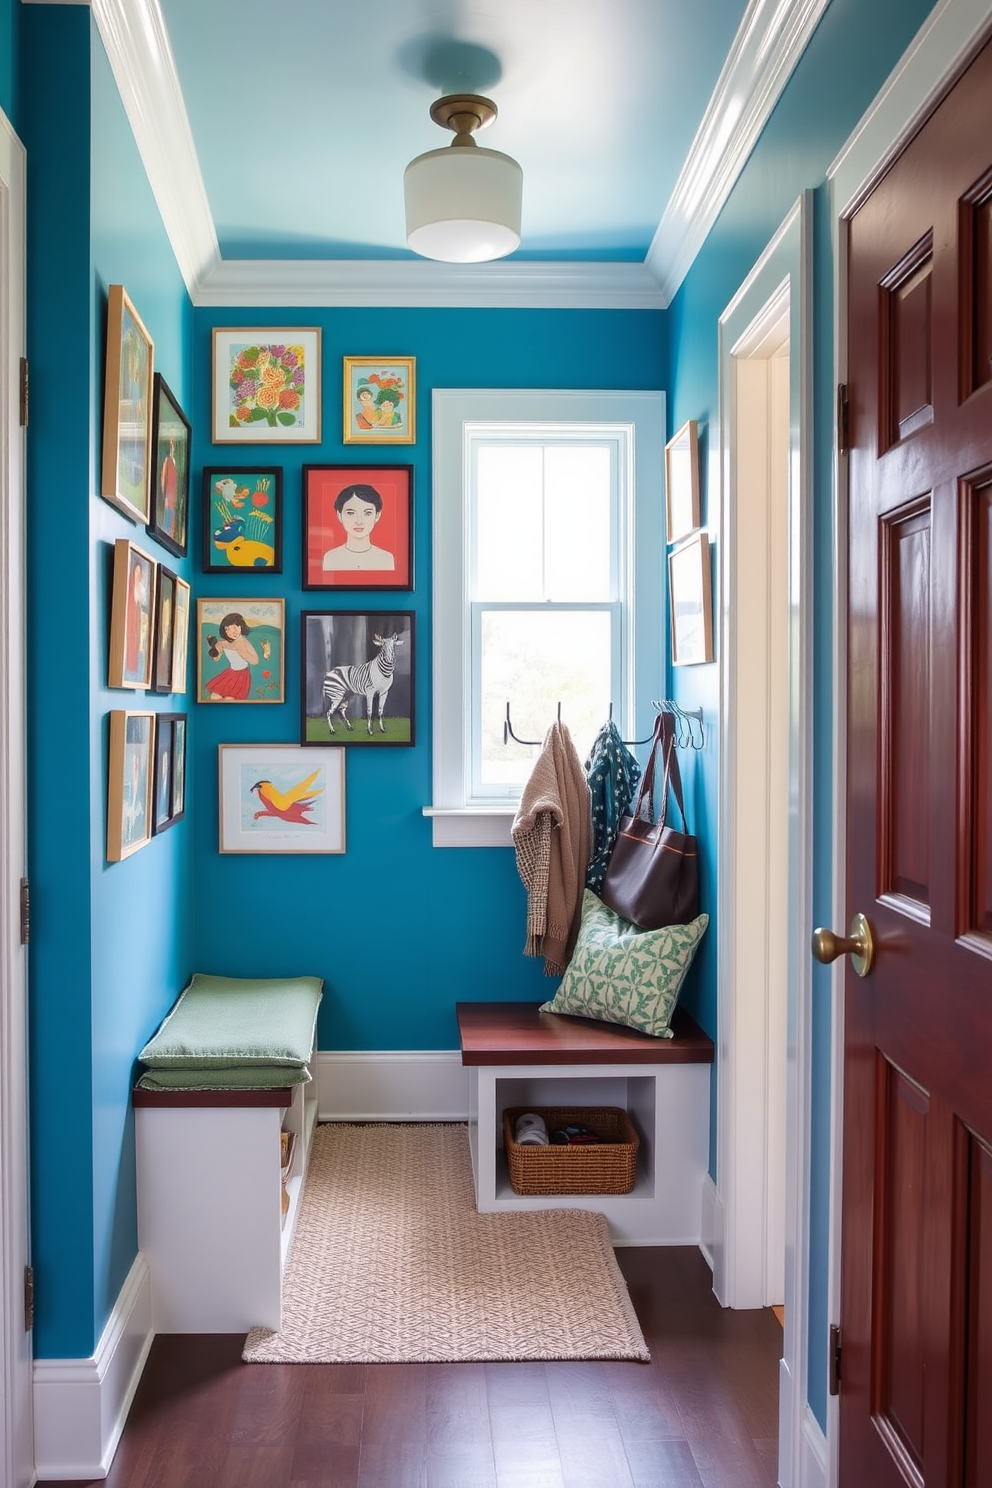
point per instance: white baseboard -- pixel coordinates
(391, 1086)
(80, 1405)
(708, 1220)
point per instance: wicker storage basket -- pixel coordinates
(608, 1167)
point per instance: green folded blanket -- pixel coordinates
(223, 1023)
(226, 1077)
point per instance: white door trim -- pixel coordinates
(740, 1252)
(17, 1435)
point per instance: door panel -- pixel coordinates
(916, 1267)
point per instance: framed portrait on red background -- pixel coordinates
(358, 526)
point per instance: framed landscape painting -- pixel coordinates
(127, 408)
(358, 677)
(169, 514)
(242, 519)
(240, 650)
(266, 386)
(358, 526)
(279, 798)
(379, 400)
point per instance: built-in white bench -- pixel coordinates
(518, 1056)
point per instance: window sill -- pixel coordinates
(471, 826)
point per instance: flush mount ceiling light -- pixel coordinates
(463, 202)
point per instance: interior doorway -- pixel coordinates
(765, 872)
(16, 1431)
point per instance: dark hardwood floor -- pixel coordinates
(703, 1412)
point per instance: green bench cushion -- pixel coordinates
(224, 1023)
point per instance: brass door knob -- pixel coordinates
(857, 944)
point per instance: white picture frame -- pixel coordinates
(281, 798)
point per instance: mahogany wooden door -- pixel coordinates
(916, 1268)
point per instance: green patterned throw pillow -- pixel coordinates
(624, 975)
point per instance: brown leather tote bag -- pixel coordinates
(652, 877)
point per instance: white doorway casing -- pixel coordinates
(16, 1436)
(760, 1249)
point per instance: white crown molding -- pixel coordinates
(758, 66)
(760, 62)
(417, 282)
(137, 44)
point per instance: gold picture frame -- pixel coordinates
(125, 474)
(130, 782)
(132, 616)
(682, 482)
(380, 402)
(690, 600)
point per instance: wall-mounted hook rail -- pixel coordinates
(687, 722)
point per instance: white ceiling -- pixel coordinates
(276, 135)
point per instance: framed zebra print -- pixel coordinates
(358, 677)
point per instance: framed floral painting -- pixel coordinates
(266, 386)
(358, 526)
(127, 408)
(379, 400)
(168, 519)
(240, 650)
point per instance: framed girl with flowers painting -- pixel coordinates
(266, 386)
(379, 400)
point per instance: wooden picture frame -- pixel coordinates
(266, 385)
(125, 479)
(168, 521)
(682, 482)
(380, 400)
(279, 798)
(165, 619)
(358, 657)
(132, 616)
(690, 600)
(242, 519)
(169, 771)
(358, 526)
(180, 636)
(129, 789)
(240, 650)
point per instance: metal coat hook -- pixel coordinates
(508, 733)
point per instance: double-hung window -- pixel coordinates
(548, 586)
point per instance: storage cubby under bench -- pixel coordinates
(518, 1056)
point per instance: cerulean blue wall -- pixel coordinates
(10, 16)
(851, 53)
(398, 929)
(111, 943)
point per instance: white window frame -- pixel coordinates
(639, 417)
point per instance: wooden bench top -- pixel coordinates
(176, 1098)
(519, 1033)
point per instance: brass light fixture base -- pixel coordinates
(463, 113)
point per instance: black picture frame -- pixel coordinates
(344, 642)
(242, 519)
(163, 647)
(168, 499)
(169, 771)
(327, 562)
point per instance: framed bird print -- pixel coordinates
(242, 519)
(279, 798)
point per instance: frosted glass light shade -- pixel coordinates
(463, 204)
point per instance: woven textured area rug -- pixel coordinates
(391, 1263)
